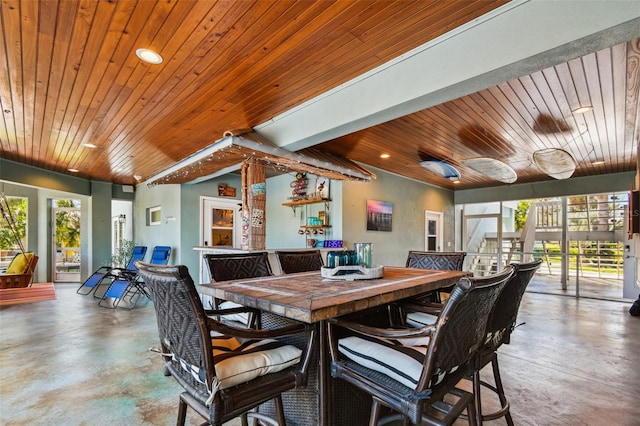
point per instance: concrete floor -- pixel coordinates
(70, 362)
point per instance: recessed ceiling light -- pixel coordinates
(73, 170)
(137, 177)
(149, 56)
(385, 156)
(89, 145)
(597, 162)
(582, 109)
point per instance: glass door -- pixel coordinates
(66, 240)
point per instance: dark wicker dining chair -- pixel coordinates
(299, 260)
(442, 260)
(235, 266)
(412, 370)
(231, 373)
(501, 323)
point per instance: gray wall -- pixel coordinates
(553, 188)
(410, 200)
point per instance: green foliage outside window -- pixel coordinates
(123, 254)
(521, 214)
(67, 225)
(18, 209)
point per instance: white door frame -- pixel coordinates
(206, 204)
(438, 218)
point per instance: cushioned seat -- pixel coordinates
(20, 271)
(235, 371)
(413, 370)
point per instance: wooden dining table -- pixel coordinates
(310, 298)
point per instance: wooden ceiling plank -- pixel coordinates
(8, 137)
(29, 25)
(77, 71)
(208, 119)
(605, 81)
(13, 94)
(184, 82)
(632, 117)
(65, 19)
(46, 21)
(130, 100)
(119, 23)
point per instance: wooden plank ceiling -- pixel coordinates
(70, 80)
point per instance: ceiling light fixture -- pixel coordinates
(554, 162)
(137, 177)
(582, 109)
(385, 156)
(597, 162)
(73, 170)
(149, 56)
(89, 145)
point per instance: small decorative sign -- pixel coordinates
(257, 217)
(259, 188)
(225, 190)
(322, 188)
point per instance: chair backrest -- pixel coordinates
(233, 266)
(137, 254)
(299, 261)
(160, 255)
(460, 328)
(181, 320)
(503, 318)
(450, 261)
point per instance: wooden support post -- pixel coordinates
(254, 200)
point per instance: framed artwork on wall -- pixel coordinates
(379, 215)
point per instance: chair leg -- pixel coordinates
(375, 412)
(182, 413)
(472, 415)
(500, 390)
(477, 400)
(280, 411)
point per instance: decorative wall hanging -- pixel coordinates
(495, 169)
(554, 162)
(438, 167)
(379, 215)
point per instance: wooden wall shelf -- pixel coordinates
(304, 202)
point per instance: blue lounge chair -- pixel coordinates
(96, 279)
(128, 286)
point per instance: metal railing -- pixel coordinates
(576, 270)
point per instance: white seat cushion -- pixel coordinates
(241, 318)
(420, 319)
(400, 359)
(401, 363)
(241, 360)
